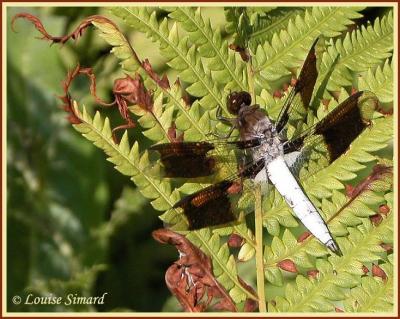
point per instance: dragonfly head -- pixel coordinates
(236, 100)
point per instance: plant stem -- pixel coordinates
(258, 214)
(259, 250)
(250, 76)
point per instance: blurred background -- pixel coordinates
(74, 224)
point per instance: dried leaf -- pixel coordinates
(312, 273)
(288, 265)
(61, 39)
(387, 247)
(190, 278)
(235, 241)
(303, 236)
(365, 269)
(378, 172)
(250, 305)
(378, 272)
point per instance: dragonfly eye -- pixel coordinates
(236, 100)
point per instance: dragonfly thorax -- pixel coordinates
(253, 123)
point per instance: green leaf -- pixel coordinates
(288, 48)
(366, 48)
(374, 294)
(266, 24)
(379, 82)
(180, 54)
(219, 58)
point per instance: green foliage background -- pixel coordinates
(75, 226)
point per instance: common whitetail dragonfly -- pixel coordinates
(265, 150)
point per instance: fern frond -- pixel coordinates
(267, 24)
(336, 274)
(180, 55)
(379, 82)
(238, 25)
(126, 159)
(289, 47)
(155, 122)
(187, 119)
(374, 294)
(227, 70)
(359, 51)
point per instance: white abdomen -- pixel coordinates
(289, 188)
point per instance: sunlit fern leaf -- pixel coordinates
(269, 23)
(336, 274)
(227, 69)
(366, 48)
(181, 56)
(380, 82)
(374, 294)
(198, 56)
(186, 119)
(157, 121)
(288, 48)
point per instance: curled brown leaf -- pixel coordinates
(191, 278)
(61, 39)
(250, 305)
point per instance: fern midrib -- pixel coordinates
(221, 58)
(271, 26)
(185, 111)
(183, 57)
(160, 125)
(177, 103)
(277, 57)
(366, 242)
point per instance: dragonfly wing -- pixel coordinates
(299, 98)
(217, 203)
(193, 160)
(337, 130)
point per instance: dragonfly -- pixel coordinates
(264, 154)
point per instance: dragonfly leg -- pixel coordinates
(223, 119)
(223, 136)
